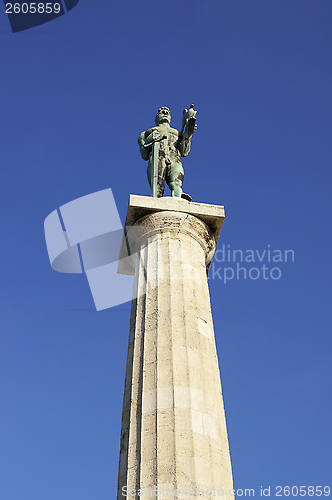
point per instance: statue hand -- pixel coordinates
(156, 135)
(191, 126)
(153, 137)
(189, 121)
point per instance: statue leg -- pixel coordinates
(174, 179)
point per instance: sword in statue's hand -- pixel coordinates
(154, 138)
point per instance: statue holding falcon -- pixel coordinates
(163, 146)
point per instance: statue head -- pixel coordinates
(163, 116)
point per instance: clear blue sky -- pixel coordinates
(75, 94)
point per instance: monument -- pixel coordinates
(163, 147)
(174, 440)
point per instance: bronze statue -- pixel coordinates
(163, 146)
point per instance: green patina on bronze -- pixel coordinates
(163, 146)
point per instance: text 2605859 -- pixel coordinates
(33, 8)
(302, 491)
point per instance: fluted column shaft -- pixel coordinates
(173, 425)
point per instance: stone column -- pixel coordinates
(174, 434)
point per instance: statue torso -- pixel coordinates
(168, 147)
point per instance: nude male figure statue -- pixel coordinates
(163, 146)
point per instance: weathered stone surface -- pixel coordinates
(140, 206)
(173, 425)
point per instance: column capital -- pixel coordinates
(148, 216)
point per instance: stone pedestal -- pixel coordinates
(174, 433)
